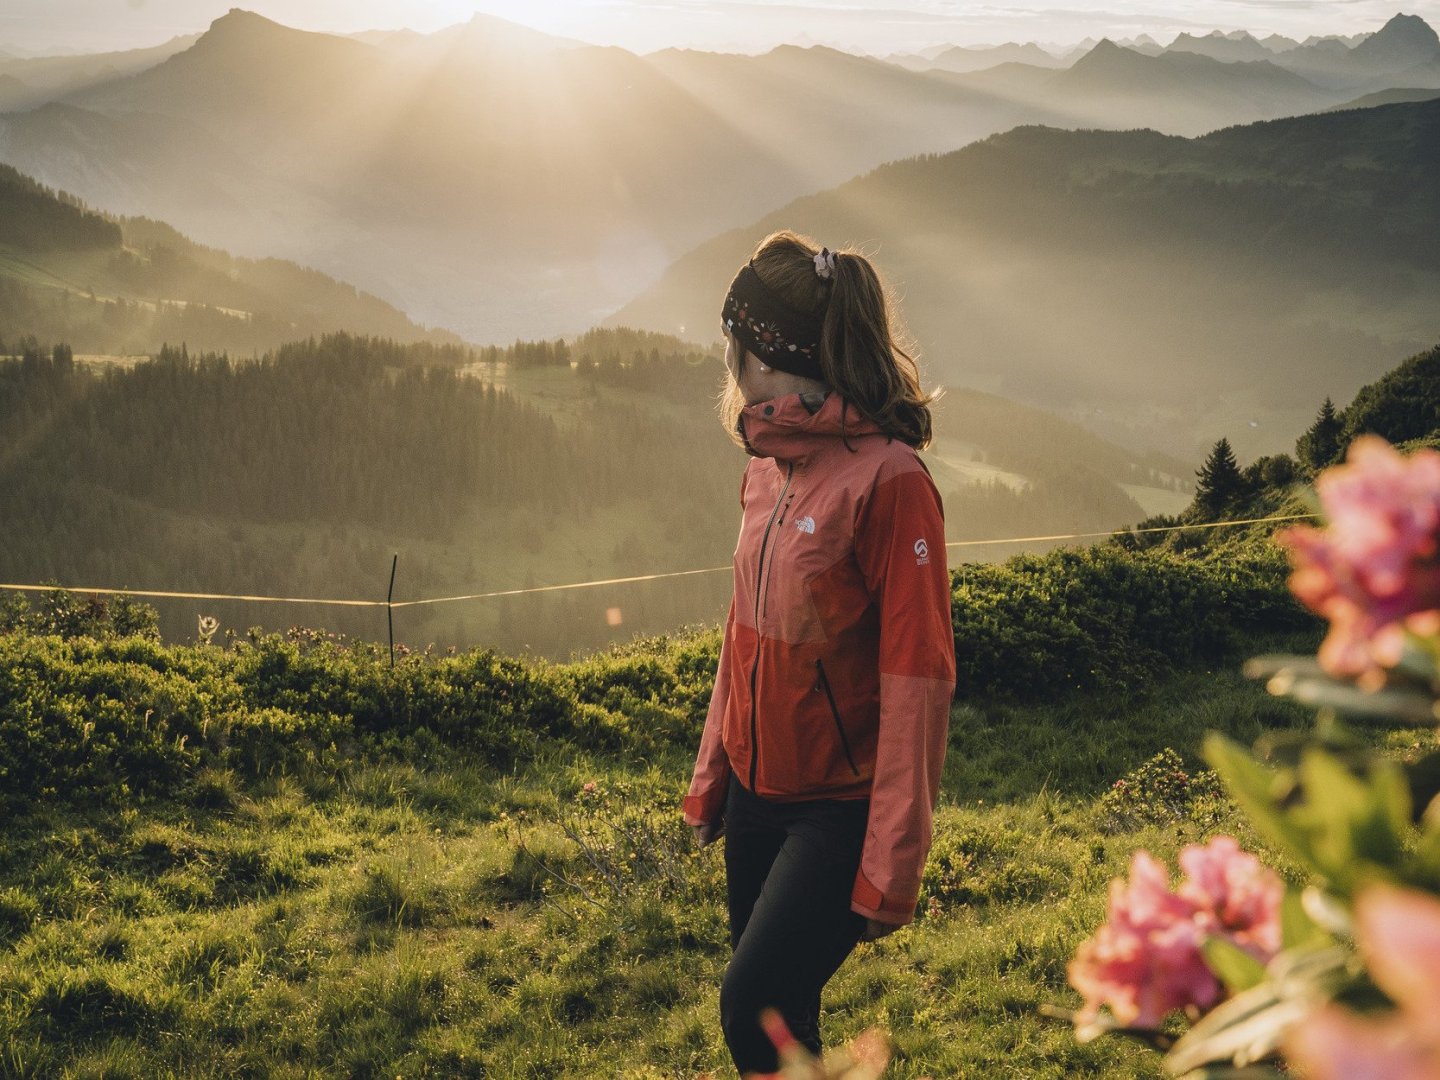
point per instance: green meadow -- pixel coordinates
(284, 858)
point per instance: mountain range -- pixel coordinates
(502, 183)
(1160, 289)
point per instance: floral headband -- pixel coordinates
(771, 329)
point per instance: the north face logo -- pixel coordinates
(806, 524)
(922, 552)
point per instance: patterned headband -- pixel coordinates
(771, 329)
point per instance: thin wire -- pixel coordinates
(557, 588)
(1129, 532)
(196, 595)
(611, 581)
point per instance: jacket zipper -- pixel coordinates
(765, 600)
(835, 712)
(755, 667)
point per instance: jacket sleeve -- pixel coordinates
(900, 546)
(705, 801)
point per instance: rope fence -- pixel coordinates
(609, 581)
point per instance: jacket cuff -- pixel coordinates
(867, 900)
(706, 807)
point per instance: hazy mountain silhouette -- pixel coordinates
(962, 60)
(1165, 288)
(1179, 92)
(1404, 52)
(1230, 48)
(128, 285)
(1278, 43)
(1402, 43)
(1387, 97)
(47, 78)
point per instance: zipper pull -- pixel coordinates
(785, 509)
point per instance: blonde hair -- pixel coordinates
(860, 358)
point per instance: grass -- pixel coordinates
(441, 918)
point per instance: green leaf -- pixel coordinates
(1391, 786)
(1331, 913)
(1387, 707)
(1250, 1026)
(1260, 793)
(1297, 928)
(1356, 824)
(1424, 777)
(1244, 1029)
(1232, 965)
(1425, 865)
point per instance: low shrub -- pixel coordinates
(87, 709)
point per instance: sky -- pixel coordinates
(32, 27)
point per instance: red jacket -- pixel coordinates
(838, 660)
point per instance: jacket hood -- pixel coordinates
(786, 429)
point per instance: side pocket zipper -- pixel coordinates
(835, 712)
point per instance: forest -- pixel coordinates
(303, 472)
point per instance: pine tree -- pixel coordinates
(1220, 483)
(1320, 445)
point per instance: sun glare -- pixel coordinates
(551, 16)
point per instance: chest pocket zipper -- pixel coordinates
(835, 712)
(765, 599)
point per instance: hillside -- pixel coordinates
(123, 286)
(1153, 288)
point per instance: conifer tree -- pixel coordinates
(1320, 445)
(1220, 483)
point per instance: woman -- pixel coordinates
(820, 760)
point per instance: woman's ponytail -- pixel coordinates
(862, 360)
(859, 356)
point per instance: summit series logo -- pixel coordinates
(922, 552)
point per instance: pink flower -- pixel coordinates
(1399, 935)
(1374, 564)
(1147, 959)
(589, 786)
(1241, 894)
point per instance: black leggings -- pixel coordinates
(789, 870)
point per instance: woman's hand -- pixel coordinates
(708, 834)
(875, 929)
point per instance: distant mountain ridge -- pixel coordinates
(27, 82)
(1155, 288)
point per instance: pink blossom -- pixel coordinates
(1242, 894)
(1374, 565)
(1147, 959)
(589, 786)
(1398, 931)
